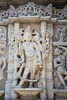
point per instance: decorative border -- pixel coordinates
(31, 9)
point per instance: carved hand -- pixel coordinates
(40, 65)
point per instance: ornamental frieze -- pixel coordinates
(32, 9)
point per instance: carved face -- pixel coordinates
(28, 34)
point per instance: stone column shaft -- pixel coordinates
(16, 29)
(43, 31)
(8, 85)
(49, 69)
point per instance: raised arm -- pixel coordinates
(64, 48)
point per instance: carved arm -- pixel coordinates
(39, 55)
(4, 63)
(56, 64)
(64, 48)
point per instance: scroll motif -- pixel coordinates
(29, 9)
(60, 13)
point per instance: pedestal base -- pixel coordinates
(28, 91)
(60, 93)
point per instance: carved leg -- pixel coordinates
(62, 79)
(25, 74)
(19, 72)
(1, 74)
(65, 73)
(32, 76)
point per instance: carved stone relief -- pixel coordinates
(60, 13)
(2, 50)
(30, 65)
(60, 59)
(12, 41)
(32, 9)
(29, 52)
(2, 59)
(60, 64)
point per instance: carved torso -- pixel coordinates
(29, 49)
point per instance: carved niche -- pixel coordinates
(60, 63)
(29, 53)
(60, 58)
(30, 48)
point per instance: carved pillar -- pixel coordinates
(16, 29)
(8, 86)
(43, 31)
(49, 68)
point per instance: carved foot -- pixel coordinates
(18, 86)
(30, 86)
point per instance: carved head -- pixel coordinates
(28, 34)
(57, 51)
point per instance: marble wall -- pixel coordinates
(33, 53)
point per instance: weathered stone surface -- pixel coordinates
(33, 52)
(32, 9)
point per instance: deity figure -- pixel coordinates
(59, 63)
(31, 59)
